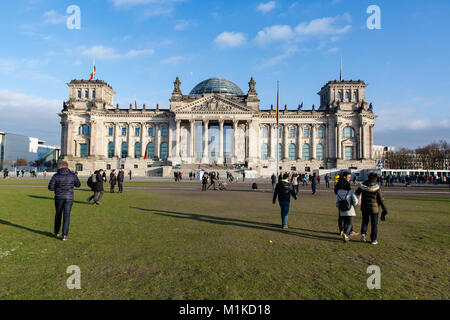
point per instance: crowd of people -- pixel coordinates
(370, 200)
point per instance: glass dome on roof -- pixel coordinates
(217, 85)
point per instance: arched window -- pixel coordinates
(79, 93)
(150, 150)
(280, 152)
(348, 132)
(93, 94)
(319, 152)
(110, 149)
(124, 150)
(355, 96)
(320, 133)
(86, 94)
(305, 152)
(164, 151)
(264, 152)
(292, 152)
(347, 95)
(339, 96)
(137, 150)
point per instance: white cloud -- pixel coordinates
(230, 39)
(266, 7)
(322, 26)
(172, 60)
(25, 114)
(103, 52)
(274, 33)
(26, 69)
(53, 17)
(182, 25)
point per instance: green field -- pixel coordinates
(179, 243)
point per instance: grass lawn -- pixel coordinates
(185, 244)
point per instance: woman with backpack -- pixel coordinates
(346, 201)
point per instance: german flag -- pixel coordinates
(146, 152)
(92, 74)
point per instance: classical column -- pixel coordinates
(116, 140)
(130, 141)
(246, 141)
(192, 142)
(285, 142)
(273, 142)
(363, 138)
(156, 140)
(142, 140)
(220, 159)
(92, 138)
(299, 142)
(371, 141)
(313, 142)
(337, 140)
(70, 139)
(205, 158)
(235, 128)
(177, 137)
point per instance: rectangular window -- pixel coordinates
(93, 94)
(136, 166)
(108, 167)
(306, 133)
(163, 132)
(348, 153)
(150, 132)
(124, 132)
(83, 150)
(137, 132)
(320, 133)
(110, 131)
(265, 132)
(292, 133)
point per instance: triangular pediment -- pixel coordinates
(214, 103)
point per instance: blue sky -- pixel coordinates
(142, 45)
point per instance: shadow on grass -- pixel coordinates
(50, 198)
(43, 233)
(238, 223)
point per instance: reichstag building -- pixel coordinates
(216, 124)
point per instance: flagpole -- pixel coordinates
(278, 130)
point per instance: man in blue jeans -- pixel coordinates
(284, 191)
(63, 183)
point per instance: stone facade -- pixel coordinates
(97, 134)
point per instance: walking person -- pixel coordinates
(371, 200)
(97, 187)
(314, 182)
(204, 181)
(327, 181)
(120, 178)
(63, 183)
(284, 191)
(243, 176)
(344, 178)
(346, 202)
(130, 174)
(295, 183)
(112, 180)
(273, 179)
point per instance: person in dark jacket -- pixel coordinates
(314, 183)
(204, 181)
(284, 191)
(63, 183)
(120, 178)
(371, 200)
(273, 179)
(112, 180)
(98, 187)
